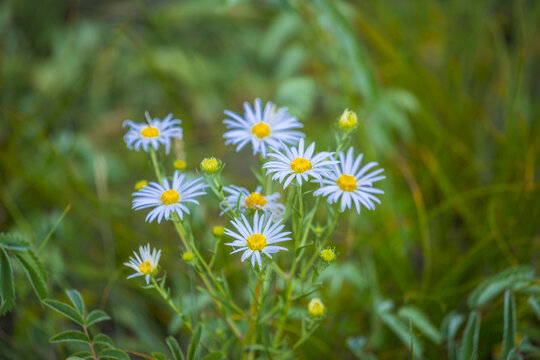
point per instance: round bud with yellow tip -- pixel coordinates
(316, 307)
(140, 184)
(348, 120)
(180, 164)
(218, 231)
(210, 165)
(327, 255)
(188, 256)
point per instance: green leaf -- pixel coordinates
(450, 327)
(176, 351)
(76, 300)
(421, 322)
(113, 354)
(216, 355)
(13, 242)
(7, 287)
(535, 306)
(96, 316)
(65, 309)
(34, 272)
(403, 332)
(469, 343)
(81, 355)
(193, 345)
(103, 340)
(159, 356)
(509, 279)
(356, 344)
(70, 336)
(510, 323)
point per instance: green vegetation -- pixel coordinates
(447, 97)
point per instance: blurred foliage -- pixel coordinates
(448, 96)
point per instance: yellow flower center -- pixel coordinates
(180, 164)
(347, 183)
(145, 267)
(188, 256)
(256, 242)
(170, 197)
(141, 184)
(299, 165)
(261, 130)
(255, 201)
(150, 132)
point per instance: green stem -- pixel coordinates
(44, 242)
(169, 301)
(155, 164)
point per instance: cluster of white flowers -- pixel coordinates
(273, 133)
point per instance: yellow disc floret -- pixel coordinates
(316, 307)
(256, 242)
(299, 165)
(347, 183)
(150, 132)
(145, 267)
(140, 184)
(255, 201)
(260, 130)
(348, 120)
(188, 256)
(170, 197)
(180, 164)
(327, 255)
(210, 165)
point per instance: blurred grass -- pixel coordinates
(448, 95)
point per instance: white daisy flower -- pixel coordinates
(153, 133)
(145, 263)
(257, 239)
(295, 163)
(168, 199)
(245, 200)
(269, 128)
(351, 183)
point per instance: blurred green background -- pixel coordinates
(447, 92)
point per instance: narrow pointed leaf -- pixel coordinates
(510, 323)
(176, 351)
(217, 355)
(7, 288)
(421, 322)
(76, 300)
(194, 344)
(65, 309)
(70, 336)
(96, 316)
(469, 343)
(34, 272)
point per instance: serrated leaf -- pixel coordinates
(509, 279)
(159, 356)
(402, 331)
(13, 242)
(535, 306)
(76, 300)
(510, 323)
(469, 343)
(103, 340)
(194, 344)
(70, 336)
(176, 351)
(7, 287)
(34, 272)
(421, 322)
(216, 355)
(113, 354)
(65, 309)
(96, 316)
